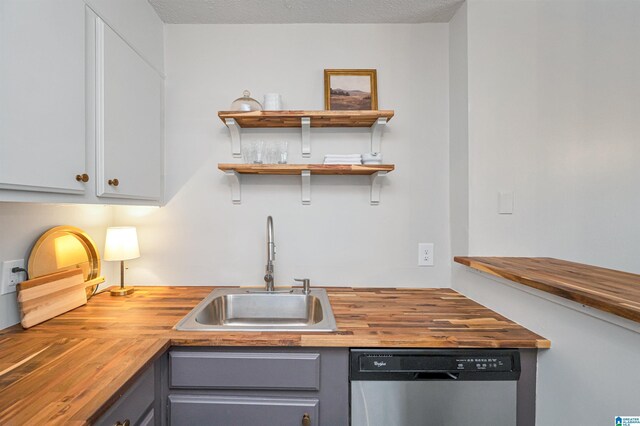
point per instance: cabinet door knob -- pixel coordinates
(306, 420)
(126, 422)
(82, 178)
(113, 182)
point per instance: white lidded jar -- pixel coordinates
(246, 103)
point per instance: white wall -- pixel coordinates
(590, 374)
(554, 97)
(21, 224)
(200, 238)
(459, 132)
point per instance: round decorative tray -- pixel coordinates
(63, 248)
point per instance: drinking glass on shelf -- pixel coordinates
(259, 154)
(271, 153)
(282, 152)
(248, 152)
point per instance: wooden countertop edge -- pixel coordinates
(396, 342)
(577, 296)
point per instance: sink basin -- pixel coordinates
(238, 309)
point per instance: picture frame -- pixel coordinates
(350, 89)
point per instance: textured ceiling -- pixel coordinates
(304, 11)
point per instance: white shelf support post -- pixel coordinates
(305, 124)
(376, 133)
(306, 187)
(376, 185)
(234, 130)
(234, 182)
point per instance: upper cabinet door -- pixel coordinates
(42, 95)
(129, 100)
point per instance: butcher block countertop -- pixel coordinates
(608, 290)
(70, 369)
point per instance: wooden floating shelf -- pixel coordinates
(297, 169)
(376, 174)
(279, 119)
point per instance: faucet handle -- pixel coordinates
(306, 284)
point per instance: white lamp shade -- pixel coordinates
(121, 243)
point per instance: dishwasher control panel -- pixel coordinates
(495, 363)
(434, 364)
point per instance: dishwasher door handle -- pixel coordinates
(436, 376)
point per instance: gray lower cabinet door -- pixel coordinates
(135, 404)
(241, 410)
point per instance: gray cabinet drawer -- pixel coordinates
(134, 404)
(244, 370)
(240, 411)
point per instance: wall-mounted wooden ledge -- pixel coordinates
(315, 169)
(293, 118)
(377, 173)
(608, 290)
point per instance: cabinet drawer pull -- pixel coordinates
(113, 182)
(126, 422)
(82, 178)
(306, 420)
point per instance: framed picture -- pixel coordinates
(350, 90)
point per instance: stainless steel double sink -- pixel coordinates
(243, 309)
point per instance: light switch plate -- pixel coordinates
(11, 279)
(505, 202)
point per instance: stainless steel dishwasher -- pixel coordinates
(405, 387)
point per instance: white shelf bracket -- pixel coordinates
(376, 133)
(234, 130)
(376, 185)
(234, 182)
(305, 124)
(306, 187)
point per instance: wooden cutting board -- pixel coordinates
(48, 296)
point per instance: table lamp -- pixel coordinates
(121, 244)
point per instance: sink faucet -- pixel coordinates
(271, 256)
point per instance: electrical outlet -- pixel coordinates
(11, 279)
(425, 254)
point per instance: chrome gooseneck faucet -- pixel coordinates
(271, 256)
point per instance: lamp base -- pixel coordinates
(121, 291)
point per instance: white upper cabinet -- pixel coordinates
(42, 95)
(129, 99)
